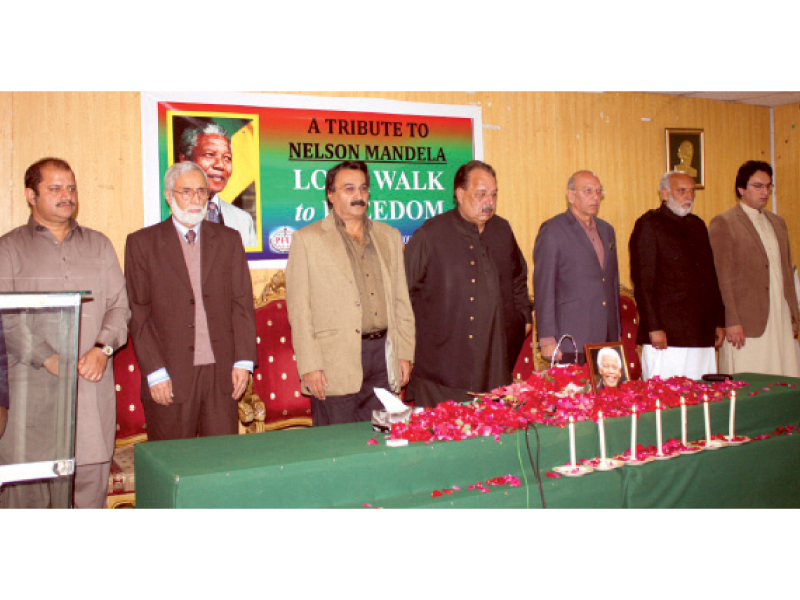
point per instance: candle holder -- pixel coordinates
(712, 444)
(691, 448)
(629, 460)
(663, 456)
(737, 440)
(573, 470)
(599, 464)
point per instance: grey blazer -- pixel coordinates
(573, 294)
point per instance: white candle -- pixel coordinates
(707, 418)
(602, 436)
(733, 415)
(571, 442)
(683, 421)
(633, 434)
(658, 427)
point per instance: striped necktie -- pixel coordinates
(213, 212)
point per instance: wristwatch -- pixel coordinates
(107, 350)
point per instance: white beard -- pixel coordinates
(677, 208)
(188, 218)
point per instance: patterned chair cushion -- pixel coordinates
(275, 379)
(128, 381)
(629, 315)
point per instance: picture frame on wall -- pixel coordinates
(686, 153)
(607, 365)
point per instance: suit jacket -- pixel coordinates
(674, 281)
(572, 293)
(162, 303)
(240, 220)
(743, 269)
(324, 305)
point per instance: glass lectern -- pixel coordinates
(38, 384)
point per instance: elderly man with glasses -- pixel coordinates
(754, 267)
(576, 275)
(193, 324)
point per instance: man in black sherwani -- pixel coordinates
(682, 317)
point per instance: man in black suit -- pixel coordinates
(682, 317)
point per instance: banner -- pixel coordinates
(266, 156)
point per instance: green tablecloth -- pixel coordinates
(336, 467)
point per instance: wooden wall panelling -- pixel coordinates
(98, 133)
(787, 171)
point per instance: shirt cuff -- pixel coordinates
(551, 341)
(157, 377)
(244, 364)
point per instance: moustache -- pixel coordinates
(358, 203)
(68, 203)
(487, 209)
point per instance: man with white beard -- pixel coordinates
(682, 317)
(192, 323)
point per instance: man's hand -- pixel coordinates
(735, 335)
(3, 420)
(241, 377)
(720, 337)
(405, 372)
(658, 339)
(316, 383)
(547, 351)
(92, 365)
(51, 365)
(162, 392)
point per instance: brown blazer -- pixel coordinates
(324, 305)
(743, 269)
(162, 303)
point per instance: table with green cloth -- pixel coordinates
(337, 466)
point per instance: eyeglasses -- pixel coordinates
(187, 194)
(761, 186)
(588, 191)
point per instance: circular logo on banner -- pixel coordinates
(281, 239)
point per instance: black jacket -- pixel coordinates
(675, 284)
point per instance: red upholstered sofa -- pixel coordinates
(131, 427)
(274, 401)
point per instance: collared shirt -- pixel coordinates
(161, 374)
(367, 273)
(183, 230)
(594, 238)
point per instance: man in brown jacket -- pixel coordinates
(754, 269)
(193, 324)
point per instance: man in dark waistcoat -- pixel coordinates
(467, 279)
(682, 317)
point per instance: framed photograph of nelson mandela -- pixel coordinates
(686, 153)
(607, 366)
